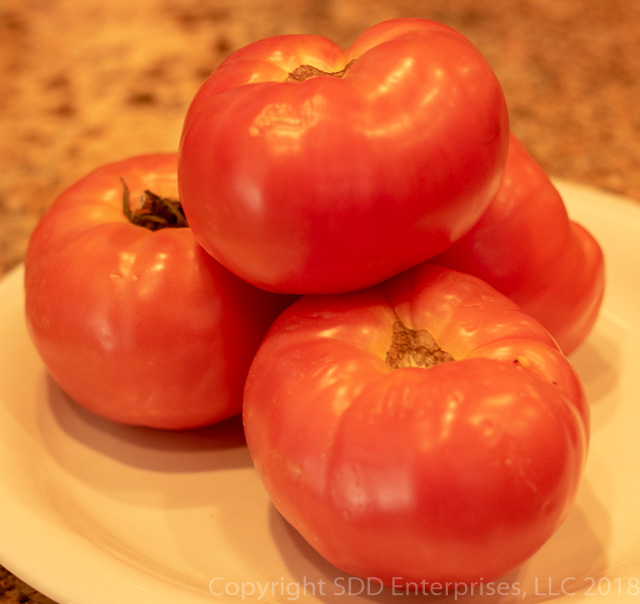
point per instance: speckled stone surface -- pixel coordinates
(85, 83)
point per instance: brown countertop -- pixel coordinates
(85, 83)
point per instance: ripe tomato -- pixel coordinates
(139, 326)
(426, 429)
(526, 247)
(305, 168)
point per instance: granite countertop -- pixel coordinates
(86, 83)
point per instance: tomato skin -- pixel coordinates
(526, 247)
(457, 472)
(137, 326)
(335, 183)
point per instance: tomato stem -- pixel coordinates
(306, 72)
(153, 212)
(411, 348)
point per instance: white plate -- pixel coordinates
(93, 513)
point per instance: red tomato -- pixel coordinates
(305, 168)
(423, 430)
(527, 248)
(139, 326)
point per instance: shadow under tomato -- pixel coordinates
(97, 450)
(598, 363)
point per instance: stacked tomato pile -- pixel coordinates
(352, 245)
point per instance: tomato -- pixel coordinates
(306, 168)
(137, 325)
(423, 430)
(526, 247)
